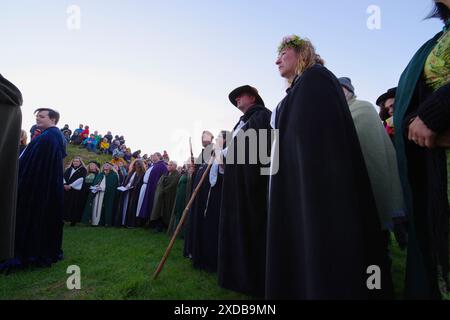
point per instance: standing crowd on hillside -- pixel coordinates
(311, 216)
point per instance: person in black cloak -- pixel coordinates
(206, 222)
(73, 186)
(10, 123)
(40, 203)
(126, 215)
(243, 214)
(324, 235)
(201, 164)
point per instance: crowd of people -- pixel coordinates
(341, 179)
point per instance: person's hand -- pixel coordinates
(67, 187)
(420, 134)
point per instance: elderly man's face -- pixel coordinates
(171, 167)
(206, 140)
(244, 101)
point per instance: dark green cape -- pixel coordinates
(180, 204)
(107, 215)
(165, 197)
(418, 284)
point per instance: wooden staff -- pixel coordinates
(183, 218)
(192, 153)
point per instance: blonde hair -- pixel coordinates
(81, 163)
(307, 56)
(23, 138)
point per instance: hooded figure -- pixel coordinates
(10, 124)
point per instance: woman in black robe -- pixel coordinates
(198, 205)
(133, 194)
(323, 230)
(206, 222)
(73, 191)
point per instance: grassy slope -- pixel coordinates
(87, 156)
(115, 264)
(118, 264)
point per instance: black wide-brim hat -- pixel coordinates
(385, 96)
(245, 89)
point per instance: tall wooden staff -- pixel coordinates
(183, 218)
(192, 154)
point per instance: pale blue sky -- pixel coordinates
(159, 72)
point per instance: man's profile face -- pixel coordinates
(43, 120)
(244, 101)
(172, 167)
(206, 140)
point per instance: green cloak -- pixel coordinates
(418, 284)
(180, 204)
(107, 214)
(165, 197)
(381, 161)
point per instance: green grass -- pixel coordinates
(115, 264)
(73, 151)
(119, 263)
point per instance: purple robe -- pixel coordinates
(159, 169)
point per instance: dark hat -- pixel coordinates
(385, 96)
(245, 89)
(347, 83)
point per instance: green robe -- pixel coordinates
(165, 197)
(381, 161)
(107, 213)
(180, 204)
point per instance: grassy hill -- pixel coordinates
(115, 264)
(118, 264)
(73, 151)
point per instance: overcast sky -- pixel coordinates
(159, 72)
